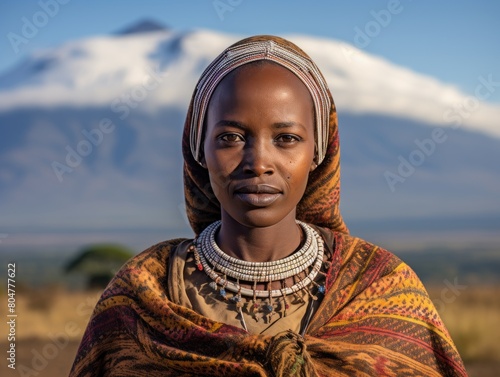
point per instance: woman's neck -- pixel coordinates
(261, 244)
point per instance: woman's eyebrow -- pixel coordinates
(231, 123)
(242, 126)
(279, 125)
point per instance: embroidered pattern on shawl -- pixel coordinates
(375, 320)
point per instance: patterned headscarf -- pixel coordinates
(320, 203)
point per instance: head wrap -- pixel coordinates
(254, 50)
(320, 203)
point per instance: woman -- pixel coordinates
(273, 284)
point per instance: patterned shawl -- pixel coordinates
(375, 318)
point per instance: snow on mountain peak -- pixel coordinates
(96, 71)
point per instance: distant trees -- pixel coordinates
(99, 263)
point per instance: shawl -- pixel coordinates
(375, 318)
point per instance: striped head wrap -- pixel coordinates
(254, 50)
(320, 203)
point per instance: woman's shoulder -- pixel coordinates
(159, 252)
(150, 265)
(362, 273)
(347, 248)
(360, 263)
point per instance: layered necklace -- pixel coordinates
(226, 272)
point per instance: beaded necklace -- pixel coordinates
(226, 272)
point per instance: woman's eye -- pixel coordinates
(231, 137)
(288, 138)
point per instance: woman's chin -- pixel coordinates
(260, 217)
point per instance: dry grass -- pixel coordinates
(472, 317)
(50, 323)
(53, 310)
(473, 320)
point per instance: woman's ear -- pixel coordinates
(314, 165)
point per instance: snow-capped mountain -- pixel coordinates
(93, 71)
(91, 136)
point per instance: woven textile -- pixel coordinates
(376, 319)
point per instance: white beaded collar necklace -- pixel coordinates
(226, 272)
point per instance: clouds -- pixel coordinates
(99, 71)
(367, 84)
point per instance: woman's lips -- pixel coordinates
(257, 195)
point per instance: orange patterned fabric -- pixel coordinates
(375, 318)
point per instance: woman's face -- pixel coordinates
(259, 143)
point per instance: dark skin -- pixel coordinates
(259, 150)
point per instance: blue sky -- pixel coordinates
(455, 41)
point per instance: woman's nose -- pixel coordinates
(257, 159)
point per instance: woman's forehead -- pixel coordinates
(261, 78)
(257, 66)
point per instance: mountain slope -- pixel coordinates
(116, 105)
